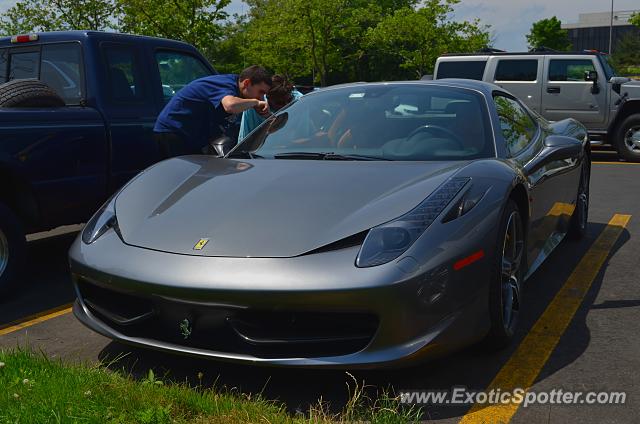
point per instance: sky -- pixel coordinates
(510, 20)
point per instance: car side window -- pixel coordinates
(472, 69)
(24, 65)
(518, 128)
(125, 77)
(517, 70)
(4, 55)
(569, 69)
(177, 70)
(61, 69)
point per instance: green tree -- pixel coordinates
(418, 36)
(635, 19)
(194, 21)
(51, 15)
(626, 56)
(548, 33)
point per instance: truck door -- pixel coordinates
(130, 111)
(566, 93)
(521, 76)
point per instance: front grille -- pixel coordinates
(232, 329)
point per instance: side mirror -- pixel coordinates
(220, 146)
(593, 77)
(556, 148)
(560, 147)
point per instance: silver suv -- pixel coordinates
(561, 85)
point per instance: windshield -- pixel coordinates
(377, 121)
(608, 68)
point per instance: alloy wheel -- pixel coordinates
(632, 139)
(512, 253)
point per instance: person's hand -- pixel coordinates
(262, 108)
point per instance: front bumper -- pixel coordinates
(309, 311)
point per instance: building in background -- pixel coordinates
(592, 30)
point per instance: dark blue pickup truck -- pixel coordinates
(77, 110)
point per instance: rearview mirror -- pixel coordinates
(220, 146)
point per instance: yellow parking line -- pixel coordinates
(35, 319)
(614, 163)
(527, 361)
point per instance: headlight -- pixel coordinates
(388, 241)
(101, 222)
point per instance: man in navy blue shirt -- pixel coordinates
(207, 108)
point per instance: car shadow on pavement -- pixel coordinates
(300, 389)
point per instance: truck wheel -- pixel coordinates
(28, 93)
(628, 138)
(12, 249)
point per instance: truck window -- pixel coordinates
(125, 79)
(518, 129)
(61, 69)
(469, 69)
(569, 69)
(517, 70)
(177, 70)
(24, 65)
(3, 65)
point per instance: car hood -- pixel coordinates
(267, 208)
(633, 87)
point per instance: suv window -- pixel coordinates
(61, 69)
(24, 65)
(517, 70)
(3, 65)
(518, 128)
(177, 70)
(125, 79)
(569, 69)
(470, 69)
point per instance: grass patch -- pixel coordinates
(36, 389)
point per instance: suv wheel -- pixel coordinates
(628, 138)
(12, 249)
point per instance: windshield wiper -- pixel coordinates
(324, 156)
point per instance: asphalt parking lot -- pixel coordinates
(591, 285)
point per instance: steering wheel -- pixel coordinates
(436, 128)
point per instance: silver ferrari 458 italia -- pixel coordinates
(365, 225)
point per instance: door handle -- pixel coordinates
(553, 90)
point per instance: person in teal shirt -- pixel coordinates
(281, 94)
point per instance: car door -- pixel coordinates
(524, 139)
(130, 110)
(522, 77)
(566, 93)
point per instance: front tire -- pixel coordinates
(507, 277)
(12, 250)
(627, 141)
